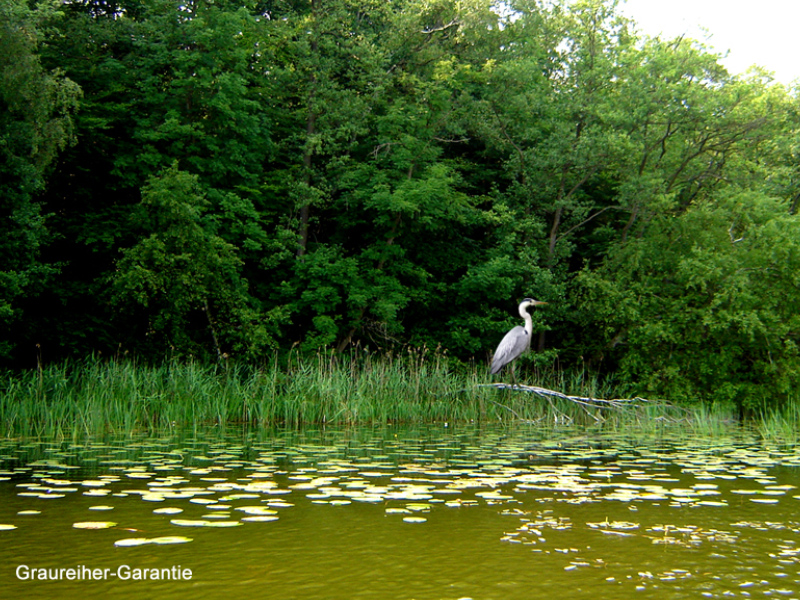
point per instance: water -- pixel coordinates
(409, 513)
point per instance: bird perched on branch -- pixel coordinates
(516, 341)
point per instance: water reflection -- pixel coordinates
(423, 513)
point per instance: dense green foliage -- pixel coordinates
(223, 180)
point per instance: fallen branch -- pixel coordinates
(600, 403)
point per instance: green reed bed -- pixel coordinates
(97, 396)
(327, 388)
(781, 424)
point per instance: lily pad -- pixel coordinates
(127, 542)
(201, 523)
(256, 510)
(171, 539)
(397, 511)
(414, 519)
(94, 525)
(169, 510)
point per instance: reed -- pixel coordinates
(96, 395)
(418, 385)
(781, 424)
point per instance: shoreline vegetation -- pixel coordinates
(119, 396)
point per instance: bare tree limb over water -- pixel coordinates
(583, 401)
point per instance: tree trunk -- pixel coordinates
(392, 237)
(305, 209)
(308, 152)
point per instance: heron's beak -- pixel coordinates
(538, 303)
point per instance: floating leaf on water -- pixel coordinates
(232, 497)
(127, 542)
(223, 523)
(202, 501)
(6, 527)
(222, 487)
(178, 495)
(414, 519)
(362, 497)
(189, 523)
(765, 500)
(29, 512)
(256, 510)
(199, 523)
(101, 507)
(260, 518)
(169, 510)
(57, 482)
(152, 497)
(171, 539)
(613, 525)
(93, 483)
(97, 492)
(94, 525)
(615, 532)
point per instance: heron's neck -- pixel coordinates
(528, 321)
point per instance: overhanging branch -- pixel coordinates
(601, 403)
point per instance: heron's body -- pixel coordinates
(516, 341)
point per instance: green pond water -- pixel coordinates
(408, 513)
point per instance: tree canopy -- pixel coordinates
(218, 179)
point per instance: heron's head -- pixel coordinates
(532, 302)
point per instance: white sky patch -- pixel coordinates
(762, 32)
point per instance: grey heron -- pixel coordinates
(516, 341)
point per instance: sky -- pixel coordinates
(762, 32)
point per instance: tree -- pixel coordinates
(704, 305)
(36, 122)
(163, 82)
(184, 280)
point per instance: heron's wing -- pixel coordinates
(511, 346)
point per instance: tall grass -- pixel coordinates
(781, 424)
(122, 396)
(118, 396)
